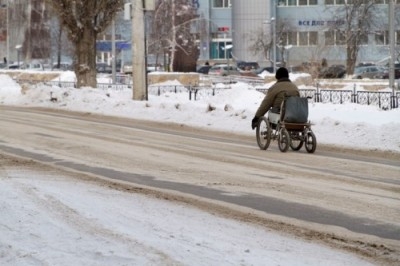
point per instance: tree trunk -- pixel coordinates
(59, 47)
(352, 51)
(173, 37)
(85, 65)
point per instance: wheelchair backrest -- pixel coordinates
(294, 110)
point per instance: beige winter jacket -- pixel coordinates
(276, 94)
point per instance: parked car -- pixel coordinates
(62, 66)
(103, 68)
(371, 72)
(397, 70)
(248, 65)
(127, 68)
(203, 69)
(33, 66)
(224, 70)
(14, 66)
(333, 72)
(260, 70)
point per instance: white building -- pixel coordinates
(306, 30)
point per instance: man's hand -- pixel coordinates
(254, 122)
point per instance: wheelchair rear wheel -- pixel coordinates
(296, 141)
(310, 141)
(263, 133)
(283, 140)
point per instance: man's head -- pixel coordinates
(282, 73)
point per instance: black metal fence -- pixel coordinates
(384, 99)
(72, 84)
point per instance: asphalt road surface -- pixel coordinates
(345, 198)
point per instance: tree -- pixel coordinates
(84, 20)
(60, 44)
(262, 41)
(172, 28)
(36, 44)
(354, 21)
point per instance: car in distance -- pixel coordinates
(260, 70)
(62, 66)
(371, 72)
(203, 69)
(224, 70)
(248, 65)
(103, 68)
(333, 72)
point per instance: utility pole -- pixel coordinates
(273, 23)
(392, 51)
(113, 53)
(138, 51)
(8, 32)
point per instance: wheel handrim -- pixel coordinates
(283, 140)
(263, 133)
(310, 142)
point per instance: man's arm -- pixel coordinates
(264, 107)
(266, 103)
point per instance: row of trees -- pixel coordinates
(171, 32)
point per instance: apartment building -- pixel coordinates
(305, 30)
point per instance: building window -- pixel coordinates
(308, 38)
(340, 38)
(329, 38)
(218, 50)
(289, 38)
(308, 2)
(221, 3)
(297, 2)
(385, 1)
(335, 38)
(335, 2)
(313, 38)
(397, 37)
(303, 38)
(382, 38)
(363, 39)
(292, 38)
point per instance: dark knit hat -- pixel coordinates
(281, 73)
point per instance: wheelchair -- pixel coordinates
(287, 134)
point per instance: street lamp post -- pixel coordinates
(273, 27)
(18, 47)
(392, 50)
(113, 52)
(8, 32)
(273, 24)
(287, 48)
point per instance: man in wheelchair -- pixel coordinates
(275, 96)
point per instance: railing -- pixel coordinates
(385, 100)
